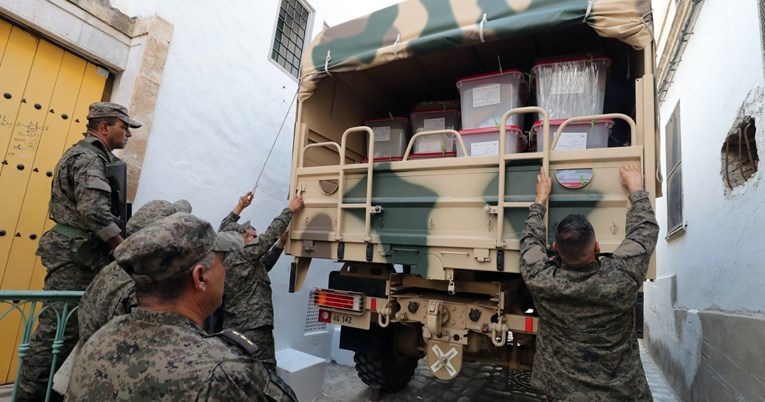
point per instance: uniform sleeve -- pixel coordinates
(269, 237)
(642, 232)
(93, 196)
(270, 258)
(243, 379)
(533, 243)
(231, 217)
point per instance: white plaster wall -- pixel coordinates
(220, 105)
(718, 260)
(716, 264)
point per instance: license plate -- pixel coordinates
(355, 321)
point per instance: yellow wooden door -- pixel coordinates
(45, 96)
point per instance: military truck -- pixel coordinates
(429, 248)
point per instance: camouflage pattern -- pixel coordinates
(108, 109)
(157, 356)
(247, 302)
(80, 198)
(586, 343)
(112, 291)
(171, 246)
(416, 27)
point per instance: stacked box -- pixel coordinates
(572, 87)
(391, 136)
(485, 141)
(577, 135)
(434, 120)
(485, 98)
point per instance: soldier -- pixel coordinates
(586, 344)
(112, 292)
(160, 352)
(85, 233)
(247, 303)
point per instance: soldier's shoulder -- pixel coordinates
(231, 337)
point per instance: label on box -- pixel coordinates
(570, 83)
(484, 148)
(432, 143)
(435, 124)
(571, 141)
(381, 133)
(486, 95)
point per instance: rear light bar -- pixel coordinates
(339, 300)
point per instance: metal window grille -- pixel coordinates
(290, 35)
(675, 176)
(312, 323)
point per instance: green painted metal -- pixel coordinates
(63, 303)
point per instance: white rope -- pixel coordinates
(480, 28)
(395, 46)
(273, 144)
(589, 10)
(326, 63)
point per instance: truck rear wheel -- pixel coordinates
(385, 365)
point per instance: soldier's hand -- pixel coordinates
(245, 200)
(632, 177)
(296, 203)
(544, 187)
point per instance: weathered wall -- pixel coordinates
(705, 313)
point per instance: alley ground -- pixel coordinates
(475, 383)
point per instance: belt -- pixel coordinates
(69, 231)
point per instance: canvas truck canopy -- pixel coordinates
(417, 27)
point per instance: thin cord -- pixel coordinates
(274, 143)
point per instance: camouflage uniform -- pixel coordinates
(586, 344)
(81, 199)
(247, 303)
(112, 291)
(156, 356)
(165, 356)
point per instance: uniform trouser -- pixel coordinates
(63, 274)
(263, 337)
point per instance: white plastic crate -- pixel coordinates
(577, 135)
(572, 87)
(432, 155)
(391, 136)
(485, 98)
(431, 121)
(485, 141)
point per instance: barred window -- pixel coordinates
(289, 37)
(675, 176)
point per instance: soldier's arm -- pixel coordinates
(238, 379)
(233, 216)
(533, 239)
(642, 230)
(269, 237)
(93, 198)
(273, 254)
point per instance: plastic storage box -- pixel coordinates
(431, 121)
(485, 141)
(578, 135)
(485, 98)
(391, 136)
(570, 88)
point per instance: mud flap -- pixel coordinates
(444, 359)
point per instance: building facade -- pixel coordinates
(705, 313)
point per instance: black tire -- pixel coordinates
(389, 371)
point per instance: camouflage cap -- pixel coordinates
(153, 211)
(171, 246)
(236, 227)
(109, 109)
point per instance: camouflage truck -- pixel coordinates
(430, 247)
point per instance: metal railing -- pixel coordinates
(30, 304)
